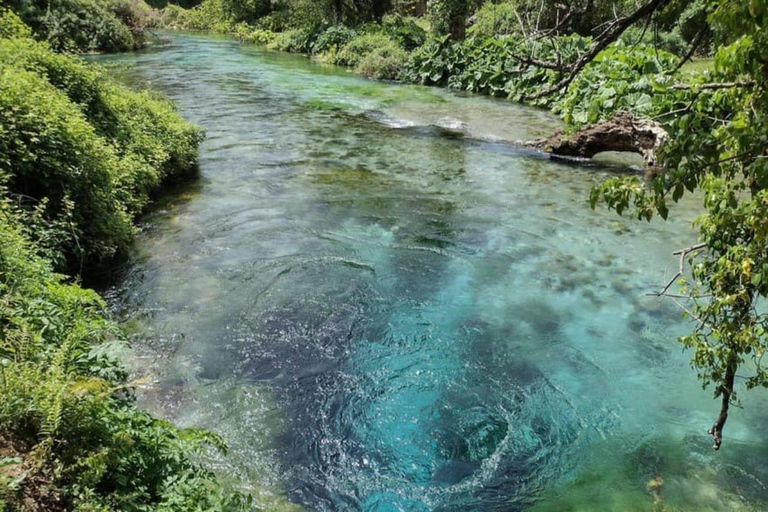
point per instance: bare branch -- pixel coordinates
(713, 85)
(694, 46)
(681, 267)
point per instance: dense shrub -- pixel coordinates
(448, 17)
(247, 34)
(174, 17)
(51, 152)
(275, 21)
(486, 65)
(359, 47)
(495, 19)
(137, 15)
(386, 62)
(208, 15)
(66, 413)
(245, 10)
(334, 38)
(12, 26)
(620, 78)
(296, 41)
(86, 25)
(404, 30)
(78, 158)
(89, 150)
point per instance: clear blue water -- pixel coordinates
(383, 306)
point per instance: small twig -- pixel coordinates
(681, 267)
(642, 34)
(689, 313)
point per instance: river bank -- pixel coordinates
(80, 156)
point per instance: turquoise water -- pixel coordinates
(384, 306)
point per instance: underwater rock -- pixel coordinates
(455, 471)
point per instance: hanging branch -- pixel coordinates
(713, 86)
(614, 30)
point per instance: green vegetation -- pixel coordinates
(79, 158)
(87, 25)
(82, 150)
(70, 436)
(587, 60)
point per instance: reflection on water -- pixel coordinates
(384, 307)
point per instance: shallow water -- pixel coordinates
(385, 307)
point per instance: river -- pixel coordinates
(383, 306)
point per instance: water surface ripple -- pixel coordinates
(384, 307)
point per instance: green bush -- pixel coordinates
(173, 16)
(334, 38)
(12, 26)
(404, 30)
(352, 53)
(66, 411)
(275, 21)
(247, 34)
(486, 66)
(90, 150)
(385, 63)
(137, 15)
(296, 41)
(495, 19)
(208, 15)
(245, 10)
(78, 158)
(50, 151)
(77, 25)
(620, 78)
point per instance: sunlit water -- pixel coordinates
(384, 307)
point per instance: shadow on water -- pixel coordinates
(106, 276)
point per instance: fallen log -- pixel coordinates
(620, 133)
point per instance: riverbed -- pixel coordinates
(384, 305)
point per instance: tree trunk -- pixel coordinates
(458, 27)
(725, 390)
(420, 8)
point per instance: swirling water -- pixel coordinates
(383, 306)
